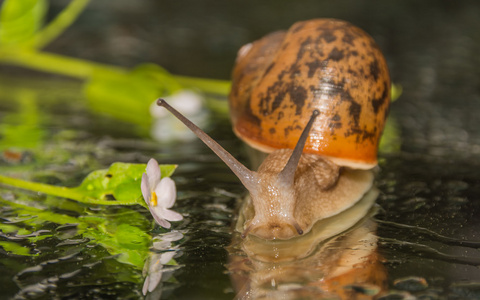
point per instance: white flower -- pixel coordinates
(155, 270)
(160, 195)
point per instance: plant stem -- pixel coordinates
(213, 86)
(84, 70)
(58, 191)
(64, 19)
(54, 63)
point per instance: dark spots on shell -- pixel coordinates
(272, 130)
(327, 34)
(281, 75)
(294, 71)
(278, 91)
(268, 69)
(368, 135)
(298, 27)
(249, 115)
(374, 69)
(277, 101)
(361, 135)
(313, 66)
(354, 53)
(335, 123)
(285, 46)
(291, 128)
(350, 71)
(348, 38)
(354, 111)
(361, 71)
(280, 115)
(287, 130)
(336, 55)
(379, 102)
(298, 95)
(303, 48)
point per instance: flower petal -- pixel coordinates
(171, 236)
(153, 173)
(145, 285)
(166, 257)
(162, 222)
(145, 188)
(162, 245)
(171, 215)
(154, 275)
(154, 280)
(166, 192)
(157, 213)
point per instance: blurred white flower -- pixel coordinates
(185, 101)
(160, 195)
(166, 127)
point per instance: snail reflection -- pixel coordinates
(315, 98)
(336, 259)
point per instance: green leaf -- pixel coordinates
(16, 248)
(8, 228)
(390, 141)
(131, 237)
(38, 214)
(20, 20)
(396, 91)
(121, 237)
(128, 96)
(120, 183)
(21, 130)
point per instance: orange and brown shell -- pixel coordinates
(323, 64)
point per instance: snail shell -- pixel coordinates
(324, 64)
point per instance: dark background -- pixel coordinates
(429, 189)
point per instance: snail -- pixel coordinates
(322, 89)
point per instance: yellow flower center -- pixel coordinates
(153, 199)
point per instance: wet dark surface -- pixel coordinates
(429, 218)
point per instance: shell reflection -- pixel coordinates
(337, 259)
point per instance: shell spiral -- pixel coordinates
(323, 64)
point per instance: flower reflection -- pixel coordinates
(160, 195)
(154, 268)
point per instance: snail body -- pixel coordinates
(323, 90)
